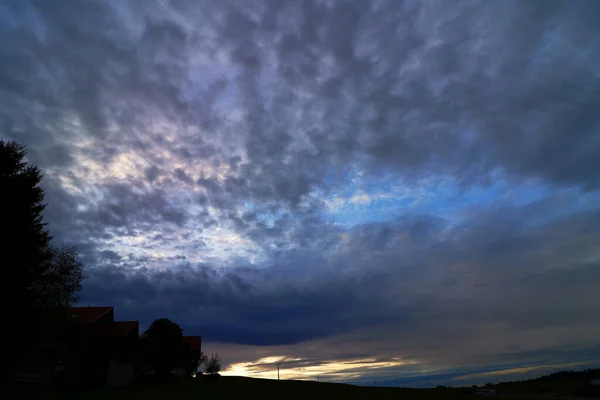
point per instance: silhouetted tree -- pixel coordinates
(195, 363)
(213, 364)
(162, 347)
(40, 279)
(203, 359)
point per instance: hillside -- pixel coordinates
(562, 383)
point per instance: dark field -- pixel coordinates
(241, 388)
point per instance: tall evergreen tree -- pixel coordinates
(38, 279)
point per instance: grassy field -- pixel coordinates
(241, 388)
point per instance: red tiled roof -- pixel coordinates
(193, 342)
(86, 315)
(118, 329)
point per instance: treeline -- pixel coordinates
(583, 375)
(586, 374)
(568, 382)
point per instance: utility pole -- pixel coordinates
(278, 364)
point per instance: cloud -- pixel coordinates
(360, 198)
(152, 173)
(414, 179)
(397, 296)
(517, 371)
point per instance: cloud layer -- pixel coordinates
(412, 183)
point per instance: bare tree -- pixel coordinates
(213, 364)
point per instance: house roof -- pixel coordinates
(118, 329)
(193, 342)
(87, 315)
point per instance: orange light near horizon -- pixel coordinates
(339, 370)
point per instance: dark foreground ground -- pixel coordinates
(249, 388)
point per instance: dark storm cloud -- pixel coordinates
(240, 307)
(402, 297)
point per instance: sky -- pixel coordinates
(364, 190)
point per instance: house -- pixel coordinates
(193, 348)
(91, 349)
(105, 347)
